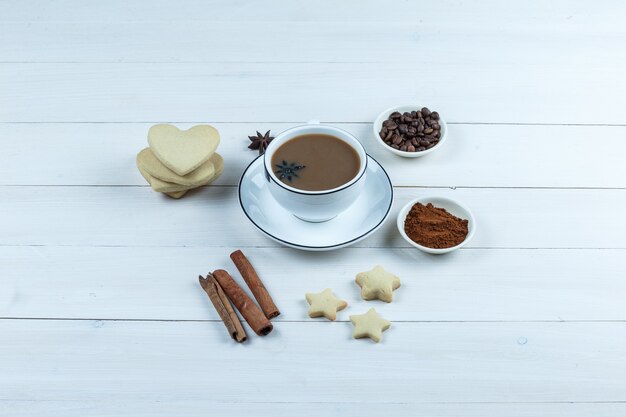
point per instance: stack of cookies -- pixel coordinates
(180, 160)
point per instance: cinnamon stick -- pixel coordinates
(254, 316)
(223, 307)
(255, 284)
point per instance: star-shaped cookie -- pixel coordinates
(377, 284)
(324, 304)
(369, 325)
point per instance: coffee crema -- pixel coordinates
(315, 162)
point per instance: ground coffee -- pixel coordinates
(434, 227)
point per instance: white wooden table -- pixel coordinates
(101, 313)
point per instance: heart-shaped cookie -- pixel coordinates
(170, 187)
(162, 186)
(183, 151)
(151, 164)
(176, 194)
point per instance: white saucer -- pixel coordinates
(366, 215)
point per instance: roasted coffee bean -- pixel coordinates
(412, 131)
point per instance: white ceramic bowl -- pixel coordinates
(315, 206)
(378, 124)
(453, 207)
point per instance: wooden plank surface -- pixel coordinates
(313, 361)
(292, 92)
(556, 16)
(412, 41)
(211, 216)
(100, 310)
(470, 285)
(202, 407)
(473, 155)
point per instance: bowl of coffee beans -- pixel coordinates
(410, 131)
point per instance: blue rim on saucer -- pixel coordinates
(360, 220)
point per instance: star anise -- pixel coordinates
(260, 141)
(286, 170)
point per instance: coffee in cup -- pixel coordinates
(315, 171)
(315, 162)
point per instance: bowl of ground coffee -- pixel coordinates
(436, 224)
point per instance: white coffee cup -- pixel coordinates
(315, 206)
